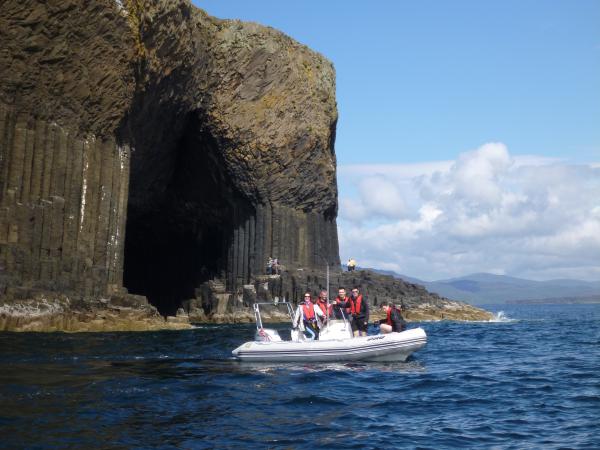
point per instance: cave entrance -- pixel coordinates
(179, 217)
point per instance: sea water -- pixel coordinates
(531, 379)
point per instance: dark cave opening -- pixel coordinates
(166, 270)
(178, 224)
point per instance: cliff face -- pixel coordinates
(149, 146)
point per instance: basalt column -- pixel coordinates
(296, 238)
(63, 206)
(208, 142)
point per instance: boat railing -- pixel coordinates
(258, 318)
(335, 315)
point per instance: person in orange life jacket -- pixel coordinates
(322, 302)
(309, 317)
(360, 313)
(393, 321)
(341, 305)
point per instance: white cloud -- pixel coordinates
(476, 174)
(378, 197)
(487, 211)
(382, 196)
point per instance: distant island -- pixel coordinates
(559, 301)
(487, 288)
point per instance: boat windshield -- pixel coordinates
(337, 325)
(272, 312)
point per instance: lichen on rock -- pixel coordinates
(147, 147)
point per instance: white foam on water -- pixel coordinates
(501, 316)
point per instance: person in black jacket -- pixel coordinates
(394, 322)
(360, 313)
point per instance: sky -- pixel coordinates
(468, 137)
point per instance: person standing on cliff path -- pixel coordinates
(270, 266)
(351, 265)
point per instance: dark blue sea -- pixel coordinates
(529, 380)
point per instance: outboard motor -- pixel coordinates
(267, 335)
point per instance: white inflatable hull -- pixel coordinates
(381, 347)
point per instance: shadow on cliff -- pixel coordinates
(182, 210)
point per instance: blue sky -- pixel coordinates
(451, 93)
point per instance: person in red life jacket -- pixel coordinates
(322, 302)
(360, 313)
(393, 322)
(309, 317)
(341, 306)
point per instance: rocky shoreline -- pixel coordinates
(47, 313)
(29, 311)
(165, 153)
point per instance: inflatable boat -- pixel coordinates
(335, 343)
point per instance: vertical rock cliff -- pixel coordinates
(146, 145)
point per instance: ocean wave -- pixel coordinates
(474, 386)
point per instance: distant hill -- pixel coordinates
(482, 288)
(561, 300)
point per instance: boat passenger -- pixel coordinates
(320, 313)
(394, 322)
(309, 317)
(360, 313)
(322, 302)
(341, 306)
